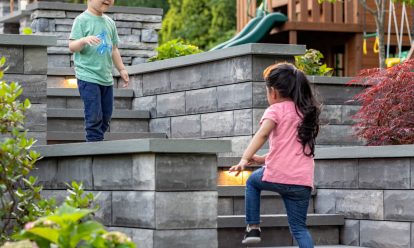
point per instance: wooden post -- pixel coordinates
(292, 10)
(316, 11)
(11, 6)
(293, 37)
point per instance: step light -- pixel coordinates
(71, 83)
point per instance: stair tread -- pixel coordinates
(278, 220)
(229, 191)
(128, 93)
(320, 246)
(78, 113)
(78, 136)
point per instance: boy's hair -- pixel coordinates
(292, 83)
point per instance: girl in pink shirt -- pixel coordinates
(291, 124)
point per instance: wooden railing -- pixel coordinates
(341, 12)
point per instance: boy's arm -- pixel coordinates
(116, 57)
(77, 45)
(257, 141)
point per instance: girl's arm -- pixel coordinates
(116, 57)
(258, 140)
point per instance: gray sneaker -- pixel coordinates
(252, 236)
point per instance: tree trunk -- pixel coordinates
(379, 21)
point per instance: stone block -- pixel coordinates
(43, 25)
(186, 78)
(243, 124)
(331, 114)
(133, 209)
(136, 61)
(72, 14)
(398, 205)
(72, 103)
(202, 171)
(58, 60)
(217, 124)
(259, 95)
(46, 171)
(128, 125)
(323, 235)
(63, 28)
(135, 83)
(385, 234)
(186, 126)
(36, 118)
(57, 102)
(77, 169)
(55, 82)
(185, 210)
(156, 26)
(67, 21)
(149, 35)
(234, 96)
(131, 38)
(337, 94)
(14, 58)
(336, 173)
(185, 238)
(143, 238)
(388, 173)
(120, 24)
(48, 14)
(58, 50)
(257, 116)
(238, 145)
(160, 125)
(147, 103)
(225, 206)
(59, 35)
(201, 101)
(137, 53)
(412, 172)
(65, 125)
(348, 111)
(137, 17)
(126, 60)
(124, 172)
(268, 205)
(104, 201)
(156, 83)
(171, 104)
(124, 31)
(39, 137)
(349, 233)
(337, 135)
(34, 86)
(271, 237)
(35, 60)
(226, 71)
(261, 62)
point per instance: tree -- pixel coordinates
(203, 23)
(379, 13)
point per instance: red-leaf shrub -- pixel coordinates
(387, 113)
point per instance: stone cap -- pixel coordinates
(27, 40)
(394, 151)
(329, 80)
(236, 51)
(79, 113)
(135, 146)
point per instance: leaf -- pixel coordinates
(27, 31)
(47, 233)
(85, 232)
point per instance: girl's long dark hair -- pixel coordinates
(292, 83)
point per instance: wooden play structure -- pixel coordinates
(342, 31)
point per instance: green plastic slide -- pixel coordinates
(255, 30)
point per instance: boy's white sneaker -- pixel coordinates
(252, 236)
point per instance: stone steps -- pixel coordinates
(275, 231)
(72, 120)
(321, 246)
(71, 137)
(69, 98)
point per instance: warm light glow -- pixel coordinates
(230, 179)
(71, 83)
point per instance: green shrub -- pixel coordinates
(311, 64)
(173, 49)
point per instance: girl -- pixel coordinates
(291, 123)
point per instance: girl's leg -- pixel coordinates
(297, 201)
(252, 197)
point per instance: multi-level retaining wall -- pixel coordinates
(374, 188)
(162, 193)
(26, 58)
(137, 29)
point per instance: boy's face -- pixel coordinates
(100, 6)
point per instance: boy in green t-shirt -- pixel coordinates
(94, 40)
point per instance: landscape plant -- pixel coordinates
(174, 48)
(386, 116)
(311, 63)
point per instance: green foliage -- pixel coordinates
(144, 3)
(76, 196)
(204, 23)
(311, 64)
(174, 48)
(19, 197)
(27, 31)
(70, 227)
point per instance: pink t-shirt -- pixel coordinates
(286, 163)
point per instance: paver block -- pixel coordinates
(201, 101)
(234, 96)
(148, 103)
(349, 234)
(156, 83)
(336, 173)
(398, 205)
(171, 104)
(243, 124)
(185, 238)
(186, 126)
(35, 60)
(217, 124)
(385, 234)
(14, 58)
(161, 125)
(187, 78)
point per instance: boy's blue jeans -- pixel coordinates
(296, 200)
(98, 103)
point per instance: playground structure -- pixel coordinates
(338, 30)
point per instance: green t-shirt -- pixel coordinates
(94, 63)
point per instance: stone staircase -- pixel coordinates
(65, 117)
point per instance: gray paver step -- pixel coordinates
(228, 191)
(58, 137)
(280, 220)
(78, 113)
(320, 246)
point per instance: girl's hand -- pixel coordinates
(239, 167)
(125, 77)
(258, 160)
(91, 40)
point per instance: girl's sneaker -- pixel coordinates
(252, 236)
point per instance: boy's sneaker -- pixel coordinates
(252, 236)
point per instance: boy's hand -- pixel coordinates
(239, 167)
(125, 77)
(91, 40)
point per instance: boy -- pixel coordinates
(94, 41)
